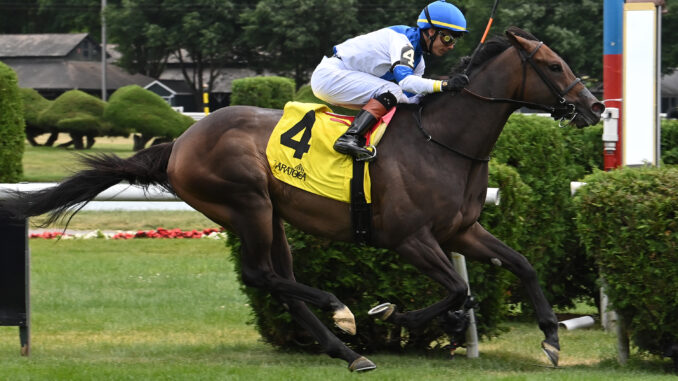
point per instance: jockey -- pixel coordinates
(375, 71)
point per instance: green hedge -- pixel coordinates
(270, 92)
(544, 156)
(669, 141)
(75, 112)
(362, 277)
(305, 94)
(135, 109)
(628, 221)
(11, 126)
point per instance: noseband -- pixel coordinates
(562, 111)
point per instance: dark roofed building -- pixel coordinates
(176, 92)
(55, 63)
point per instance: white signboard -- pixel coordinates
(640, 84)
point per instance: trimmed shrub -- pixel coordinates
(363, 277)
(305, 94)
(669, 141)
(628, 221)
(269, 92)
(11, 127)
(76, 113)
(133, 108)
(34, 104)
(535, 147)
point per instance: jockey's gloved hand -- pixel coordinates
(456, 83)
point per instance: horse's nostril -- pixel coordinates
(598, 107)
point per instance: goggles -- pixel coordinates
(447, 39)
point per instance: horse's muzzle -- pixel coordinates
(589, 109)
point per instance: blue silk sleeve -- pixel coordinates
(402, 71)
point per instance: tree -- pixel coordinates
(291, 36)
(204, 40)
(202, 35)
(669, 43)
(139, 29)
(572, 28)
(52, 16)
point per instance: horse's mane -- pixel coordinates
(494, 46)
(490, 49)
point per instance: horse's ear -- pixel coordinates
(514, 36)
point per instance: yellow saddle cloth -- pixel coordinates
(300, 150)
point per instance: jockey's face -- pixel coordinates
(444, 42)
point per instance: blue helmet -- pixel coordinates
(442, 15)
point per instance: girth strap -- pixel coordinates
(361, 211)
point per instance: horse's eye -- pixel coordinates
(556, 68)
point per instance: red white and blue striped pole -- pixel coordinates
(613, 19)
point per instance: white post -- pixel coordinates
(472, 332)
(608, 318)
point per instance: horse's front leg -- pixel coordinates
(423, 251)
(478, 244)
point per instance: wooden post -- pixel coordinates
(14, 278)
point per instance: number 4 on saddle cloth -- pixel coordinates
(300, 152)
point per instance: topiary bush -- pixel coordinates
(536, 148)
(11, 127)
(269, 92)
(305, 94)
(628, 221)
(133, 108)
(34, 105)
(76, 113)
(669, 141)
(363, 277)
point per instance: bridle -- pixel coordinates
(561, 112)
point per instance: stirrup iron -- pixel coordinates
(368, 158)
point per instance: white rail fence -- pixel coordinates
(132, 197)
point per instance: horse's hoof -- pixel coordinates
(361, 364)
(344, 319)
(382, 311)
(551, 352)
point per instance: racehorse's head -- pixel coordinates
(547, 79)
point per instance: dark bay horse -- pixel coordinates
(428, 186)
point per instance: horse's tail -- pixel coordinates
(147, 167)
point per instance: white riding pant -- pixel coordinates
(332, 82)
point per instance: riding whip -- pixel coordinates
(482, 40)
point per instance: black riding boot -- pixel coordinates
(352, 141)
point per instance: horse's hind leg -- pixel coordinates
(476, 243)
(423, 251)
(282, 262)
(255, 227)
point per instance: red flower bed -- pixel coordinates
(157, 233)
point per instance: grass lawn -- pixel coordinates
(172, 309)
(51, 164)
(141, 220)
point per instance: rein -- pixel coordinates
(560, 112)
(417, 118)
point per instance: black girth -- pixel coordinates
(361, 211)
